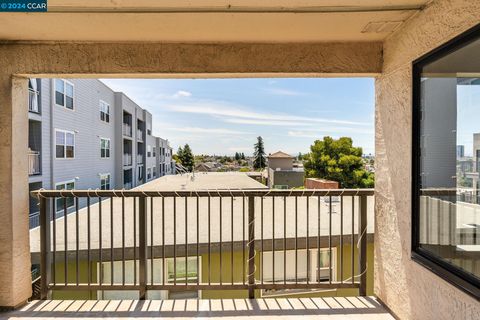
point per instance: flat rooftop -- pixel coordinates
(203, 181)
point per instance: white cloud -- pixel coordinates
(266, 122)
(225, 110)
(199, 130)
(182, 94)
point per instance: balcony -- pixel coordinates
(33, 101)
(139, 158)
(139, 135)
(127, 159)
(127, 130)
(33, 163)
(260, 243)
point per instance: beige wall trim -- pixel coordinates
(125, 59)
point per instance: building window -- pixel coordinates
(149, 173)
(64, 93)
(68, 201)
(105, 181)
(154, 172)
(154, 151)
(149, 151)
(319, 268)
(104, 148)
(149, 132)
(104, 111)
(445, 209)
(140, 173)
(64, 144)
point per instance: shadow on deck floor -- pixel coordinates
(293, 308)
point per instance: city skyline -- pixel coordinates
(289, 113)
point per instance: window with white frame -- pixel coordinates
(169, 274)
(105, 181)
(64, 144)
(104, 111)
(62, 203)
(104, 148)
(64, 93)
(317, 269)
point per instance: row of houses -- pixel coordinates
(84, 135)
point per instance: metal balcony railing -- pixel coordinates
(33, 162)
(243, 233)
(33, 101)
(139, 134)
(139, 158)
(127, 130)
(127, 159)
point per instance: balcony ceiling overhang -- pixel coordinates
(211, 20)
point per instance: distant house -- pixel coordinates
(281, 172)
(316, 183)
(207, 167)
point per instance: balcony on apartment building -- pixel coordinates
(254, 244)
(127, 130)
(33, 101)
(33, 163)
(127, 159)
(139, 158)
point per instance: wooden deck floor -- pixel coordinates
(291, 308)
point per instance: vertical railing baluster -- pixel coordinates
(209, 244)
(134, 240)
(198, 240)
(65, 240)
(244, 264)
(174, 241)
(54, 220)
(77, 243)
(221, 228)
(261, 240)
(151, 240)
(284, 240)
(362, 254)
(142, 244)
(163, 241)
(111, 241)
(186, 241)
(319, 204)
(45, 263)
(341, 238)
(100, 256)
(89, 258)
(296, 240)
(123, 240)
(330, 239)
(231, 238)
(308, 233)
(273, 239)
(251, 247)
(352, 247)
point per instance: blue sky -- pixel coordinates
(224, 116)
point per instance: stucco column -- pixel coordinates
(15, 277)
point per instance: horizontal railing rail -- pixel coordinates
(203, 240)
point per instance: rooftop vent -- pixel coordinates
(381, 26)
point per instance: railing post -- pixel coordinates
(251, 247)
(142, 235)
(45, 263)
(362, 254)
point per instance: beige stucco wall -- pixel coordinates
(410, 290)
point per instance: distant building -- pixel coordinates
(460, 151)
(316, 183)
(281, 173)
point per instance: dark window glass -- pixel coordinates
(446, 209)
(59, 98)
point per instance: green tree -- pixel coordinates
(237, 156)
(259, 161)
(243, 156)
(187, 159)
(338, 160)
